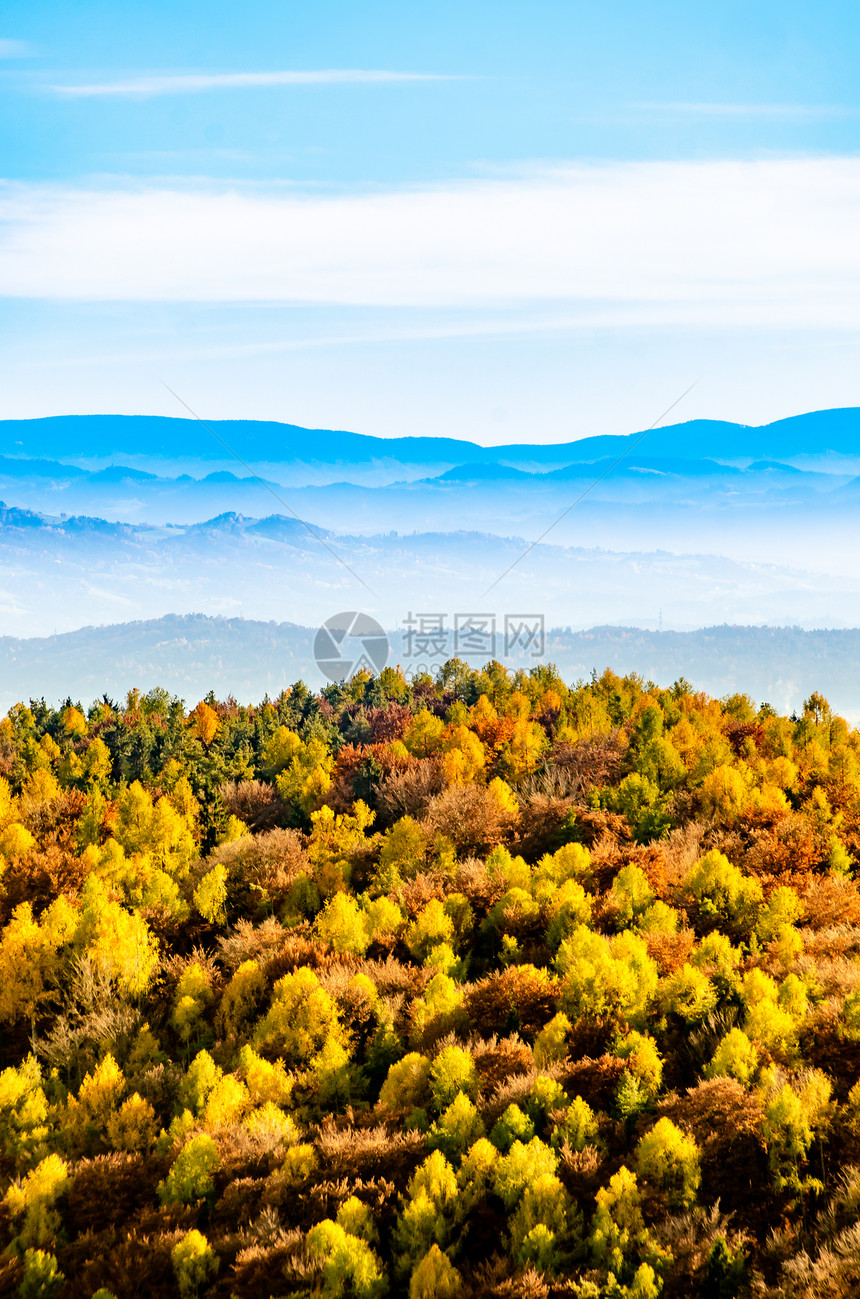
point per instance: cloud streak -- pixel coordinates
(14, 49)
(701, 244)
(197, 83)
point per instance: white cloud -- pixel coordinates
(194, 83)
(14, 49)
(717, 243)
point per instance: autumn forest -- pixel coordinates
(478, 984)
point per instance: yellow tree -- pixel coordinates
(133, 828)
(424, 734)
(205, 722)
(118, 942)
(30, 958)
(7, 804)
(74, 722)
(96, 762)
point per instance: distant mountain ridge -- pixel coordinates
(54, 571)
(192, 654)
(80, 437)
(697, 523)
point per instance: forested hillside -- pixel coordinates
(474, 985)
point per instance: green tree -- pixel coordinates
(210, 896)
(348, 1265)
(670, 1159)
(201, 1078)
(300, 1020)
(640, 800)
(343, 924)
(620, 1242)
(194, 1263)
(42, 1276)
(435, 1277)
(191, 1175)
(605, 977)
(34, 1198)
(407, 1085)
(401, 855)
(521, 1167)
(792, 1119)
(452, 1072)
(431, 926)
(513, 1125)
(724, 896)
(427, 1212)
(25, 1118)
(457, 1128)
(688, 993)
(630, 896)
(540, 1222)
(735, 1057)
(551, 1042)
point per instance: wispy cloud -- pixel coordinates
(15, 49)
(775, 112)
(195, 83)
(718, 244)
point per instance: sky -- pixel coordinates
(499, 221)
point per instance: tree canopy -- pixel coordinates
(481, 984)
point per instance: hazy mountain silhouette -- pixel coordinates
(80, 437)
(111, 518)
(59, 572)
(192, 654)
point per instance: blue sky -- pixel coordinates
(489, 220)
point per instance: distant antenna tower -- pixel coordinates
(660, 622)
